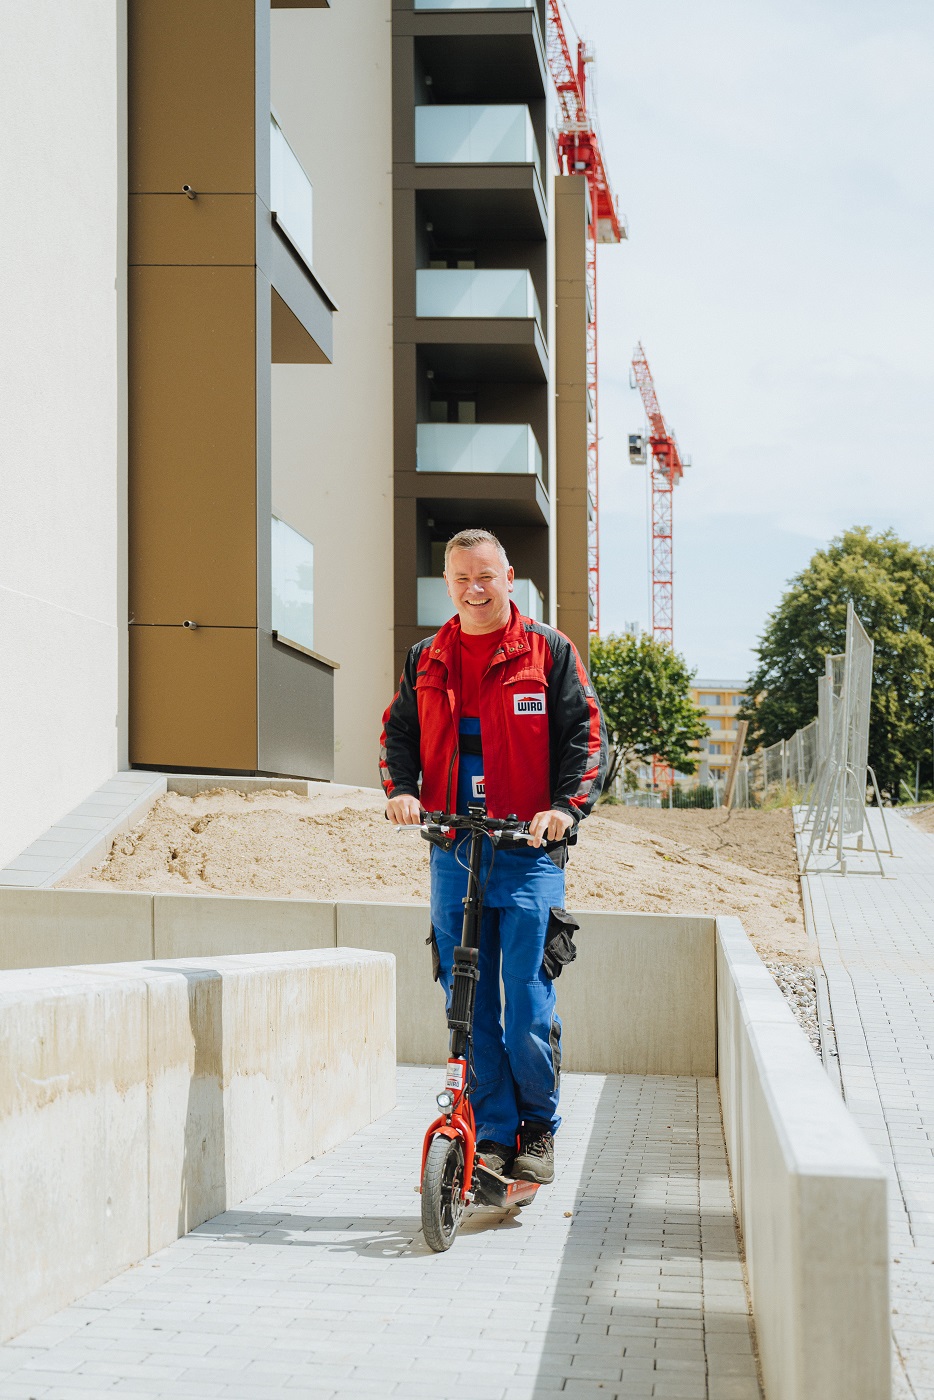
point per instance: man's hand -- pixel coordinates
(404, 810)
(549, 826)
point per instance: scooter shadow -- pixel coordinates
(385, 1237)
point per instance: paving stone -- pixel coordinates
(321, 1285)
(876, 940)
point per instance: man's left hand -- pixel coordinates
(549, 826)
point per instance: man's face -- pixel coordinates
(479, 584)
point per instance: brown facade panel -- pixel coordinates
(191, 65)
(212, 230)
(571, 507)
(192, 437)
(194, 698)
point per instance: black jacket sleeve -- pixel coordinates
(577, 733)
(400, 743)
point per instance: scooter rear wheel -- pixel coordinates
(442, 1183)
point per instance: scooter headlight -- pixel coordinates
(445, 1101)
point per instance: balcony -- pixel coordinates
(499, 134)
(290, 192)
(435, 607)
(293, 591)
(474, 5)
(480, 293)
(500, 448)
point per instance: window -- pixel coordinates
(716, 748)
(452, 411)
(708, 698)
(738, 700)
(293, 598)
(715, 724)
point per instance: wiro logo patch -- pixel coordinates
(529, 704)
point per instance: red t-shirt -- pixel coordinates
(476, 654)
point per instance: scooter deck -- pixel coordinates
(503, 1191)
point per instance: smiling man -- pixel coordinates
(497, 710)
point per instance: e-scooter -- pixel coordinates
(454, 1174)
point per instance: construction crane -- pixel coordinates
(667, 470)
(579, 153)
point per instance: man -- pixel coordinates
(498, 709)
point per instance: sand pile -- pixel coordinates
(338, 845)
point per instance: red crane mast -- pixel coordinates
(667, 469)
(579, 153)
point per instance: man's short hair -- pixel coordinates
(470, 539)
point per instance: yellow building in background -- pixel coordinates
(721, 701)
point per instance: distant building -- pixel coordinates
(720, 700)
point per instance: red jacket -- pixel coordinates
(544, 741)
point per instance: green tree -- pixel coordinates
(891, 584)
(643, 687)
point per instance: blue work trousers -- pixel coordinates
(516, 1058)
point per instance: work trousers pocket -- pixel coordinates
(554, 1040)
(432, 941)
(560, 948)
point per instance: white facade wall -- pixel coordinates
(62, 367)
(332, 424)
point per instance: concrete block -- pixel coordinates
(810, 1194)
(58, 928)
(401, 929)
(21, 879)
(195, 926)
(191, 784)
(641, 997)
(139, 1100)
(73, 1137)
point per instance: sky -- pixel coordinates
(774, 161)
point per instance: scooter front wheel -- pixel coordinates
(442, 1184)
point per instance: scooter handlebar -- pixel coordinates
(458, 821)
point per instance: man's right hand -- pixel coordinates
(404, 810)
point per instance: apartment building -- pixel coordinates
(721, 701)
(489, 287)
(296, 293)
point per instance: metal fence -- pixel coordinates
(824, 767)
(641, 799)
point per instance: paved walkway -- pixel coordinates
(623, 1279)
(876, 939)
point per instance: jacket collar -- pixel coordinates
(514, 642)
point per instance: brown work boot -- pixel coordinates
(496, 1156)
(535, 1160)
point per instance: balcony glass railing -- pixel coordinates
(474, 5)
(290, 192)
(435, 607)
(509, 448)
(489, 135)
(293, 584)
(454, 291)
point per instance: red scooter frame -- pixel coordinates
(453, 1174)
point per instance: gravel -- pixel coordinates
(797, 982)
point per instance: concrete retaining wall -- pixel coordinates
(648, 994)
(641, 998)
(810, 1194)
(138, 1100)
